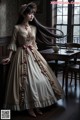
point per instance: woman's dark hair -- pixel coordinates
(26, 9)
(44, 33)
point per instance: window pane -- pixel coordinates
(64, 19)
(77, 0)
(76, 39)
(76, 10)
(76, 30)
(64, 29)
(76, 19)
(59, 0)
(65, 10)
(59, 27)
(65, 2)
(76, 34)
(62, 3)
(59, 19)
(59, 11)
(59, 5)
(77, 3)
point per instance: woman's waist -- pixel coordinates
(26, 46)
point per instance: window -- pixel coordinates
(67, 18)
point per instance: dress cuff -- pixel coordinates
(12, 47)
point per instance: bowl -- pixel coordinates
(55, 48)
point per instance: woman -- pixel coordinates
(31, 82)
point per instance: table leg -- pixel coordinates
(66, 78)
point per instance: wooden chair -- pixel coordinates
(72, 46)
(73, 67)
(73, 71)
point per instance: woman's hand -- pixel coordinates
(5, 61)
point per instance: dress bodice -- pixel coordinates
(21, 37)
(26, 37)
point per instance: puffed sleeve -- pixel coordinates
(12, 46)
(34, 41)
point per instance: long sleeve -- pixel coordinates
(12, 46)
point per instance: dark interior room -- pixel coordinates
(52, 60)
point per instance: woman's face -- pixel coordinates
(29, 16)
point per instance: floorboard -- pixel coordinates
(66, 109)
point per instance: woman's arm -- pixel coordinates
(11, 47)
(10, 54)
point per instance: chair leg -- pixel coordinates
(66, 83)
(75, 80)
(71, 78)
(79, 86)
(79, 80)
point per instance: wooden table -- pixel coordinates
(62, 55)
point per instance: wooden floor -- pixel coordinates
(66, 109)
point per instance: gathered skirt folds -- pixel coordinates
(31, 83)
